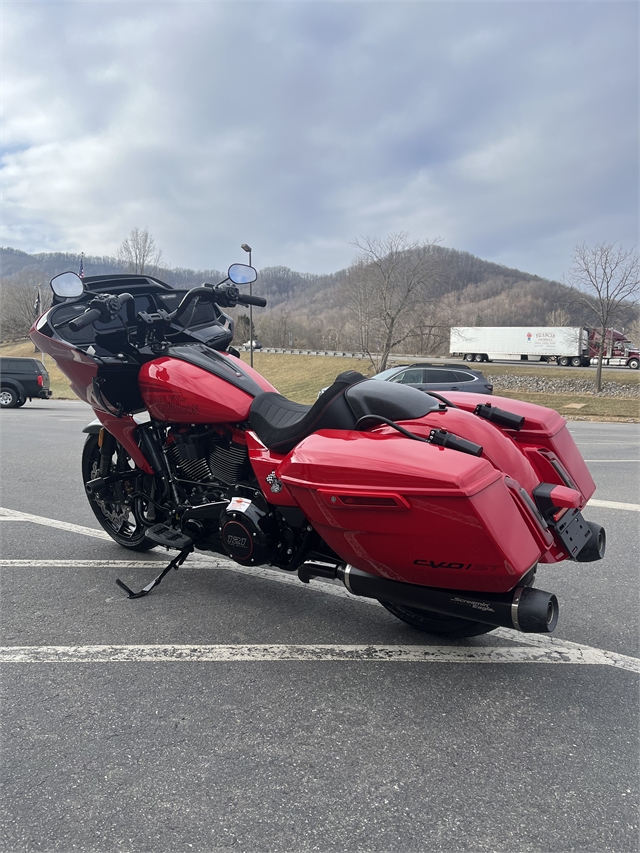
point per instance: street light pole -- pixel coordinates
(248, 249)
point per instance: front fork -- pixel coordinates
(107, 445)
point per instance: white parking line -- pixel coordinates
(615, 505)
(82, 564)
(312, 653)
(548, 649)
(12, 514)
(15, 515)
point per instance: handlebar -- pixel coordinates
(246, 299)
(106, 306)
(186, 300)
(227, 295)
(102, 307)
(85, 319)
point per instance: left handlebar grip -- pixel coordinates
(85, 319)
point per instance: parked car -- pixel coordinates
(256, 345)
(437, 377)
(22, 379)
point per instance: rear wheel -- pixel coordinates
(8, 398)
(469, 356)
(564, 361)
(21, 402)
(576, 362)
(478, 357)
(112, 510)
(435, 623)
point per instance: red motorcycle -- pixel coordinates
(440, 508)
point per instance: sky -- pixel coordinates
(505, 129)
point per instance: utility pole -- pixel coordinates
(248, 249)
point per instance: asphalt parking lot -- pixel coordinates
(240, 710)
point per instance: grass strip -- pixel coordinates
(300, 377)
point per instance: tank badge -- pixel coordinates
(274, 482)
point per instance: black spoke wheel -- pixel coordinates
(435, 623)
(114, 513)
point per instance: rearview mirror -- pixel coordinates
(242, 274)
(67, 285)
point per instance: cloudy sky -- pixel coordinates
(507, 129)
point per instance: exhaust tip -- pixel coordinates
(596, 544)
(538, 611)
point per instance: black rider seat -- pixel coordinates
(280, 424)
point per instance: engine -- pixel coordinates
(212, 470)
(204, 456)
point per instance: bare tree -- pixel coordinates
(359, 305)
(387, 289)
(558, 317)
(139, 254)
(23, 300)
(605, 276)
(243, 331)
(633, 331)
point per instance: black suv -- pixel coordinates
(437, 377)
(22, 379)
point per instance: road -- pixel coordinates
(240, 710)
(445, 359)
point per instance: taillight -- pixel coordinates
(489, 388)
(40, 380)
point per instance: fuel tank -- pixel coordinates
(199, 386)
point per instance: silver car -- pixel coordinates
(436, 377)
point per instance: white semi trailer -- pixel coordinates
(567, 344)
(574, 346)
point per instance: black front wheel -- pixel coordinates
(435, 623)
(113, 510)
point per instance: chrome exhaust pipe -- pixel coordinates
(529, 610)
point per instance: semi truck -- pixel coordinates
(575, 346)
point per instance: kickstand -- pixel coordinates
(174, 564)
